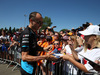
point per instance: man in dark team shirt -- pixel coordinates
(29, 45)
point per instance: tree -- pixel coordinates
(6, 29)
(10, 31)
(1, 29)
(63, 30)
(17, 29)
(13, 30)
(46, 22)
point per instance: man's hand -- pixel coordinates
(66, 57)
(51, 57)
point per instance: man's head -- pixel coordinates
(36, 20)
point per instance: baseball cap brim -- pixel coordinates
(86, 33)
(91, 30)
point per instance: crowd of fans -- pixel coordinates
(68, 42)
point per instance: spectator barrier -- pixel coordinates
(10, 57)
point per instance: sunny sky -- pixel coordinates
(65, 14)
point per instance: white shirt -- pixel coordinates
(68, 50)
(68, 66)
(93, 55)
(3, 38)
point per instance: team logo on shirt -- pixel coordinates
(26, 35)
(25, 41)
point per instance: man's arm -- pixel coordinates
(27, 57)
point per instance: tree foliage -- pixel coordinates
(63, 30)
(6, 29)
(13, 30)
(10, 31)
(46, 22)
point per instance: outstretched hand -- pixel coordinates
(66, 57)
(51, 57)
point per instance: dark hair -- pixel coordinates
(99, 27)
(79, 29)
(73, 30)
(48, 38)
(33, 15)
(86, 25)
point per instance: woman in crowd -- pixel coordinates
(68, 67)
(91, 49)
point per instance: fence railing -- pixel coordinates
(10, 57)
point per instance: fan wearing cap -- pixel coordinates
(91, 49)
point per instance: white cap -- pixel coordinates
(91, 30)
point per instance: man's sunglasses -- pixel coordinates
(38, 22)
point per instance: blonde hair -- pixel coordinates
(85, 47)
(74, 38)
(96, 43)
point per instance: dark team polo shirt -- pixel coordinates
(29, 43)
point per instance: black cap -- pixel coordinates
(48, 38)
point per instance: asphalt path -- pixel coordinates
(8, 71)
